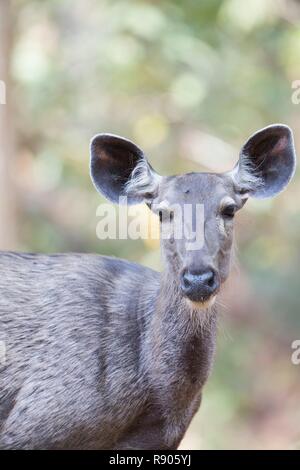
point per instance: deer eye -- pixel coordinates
(229, 211)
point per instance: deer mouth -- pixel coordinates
(202, 304)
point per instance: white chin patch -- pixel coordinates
(202, 305)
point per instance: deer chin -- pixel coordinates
(206, 304)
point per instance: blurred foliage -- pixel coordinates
(189, 82)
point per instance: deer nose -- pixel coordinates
(198, 286)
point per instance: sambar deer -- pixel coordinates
(102, 353)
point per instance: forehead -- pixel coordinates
(197, 188)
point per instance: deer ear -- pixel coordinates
(120, 168)
(267, 162)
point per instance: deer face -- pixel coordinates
(196, 210)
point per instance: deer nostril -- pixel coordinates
(211, 279)
(200, 284)
(187, 278)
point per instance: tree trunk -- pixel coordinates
(7, 200)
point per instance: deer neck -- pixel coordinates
(181, 336)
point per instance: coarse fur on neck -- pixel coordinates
(179, 347)
(180, 337)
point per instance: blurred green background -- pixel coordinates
(188, 81)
